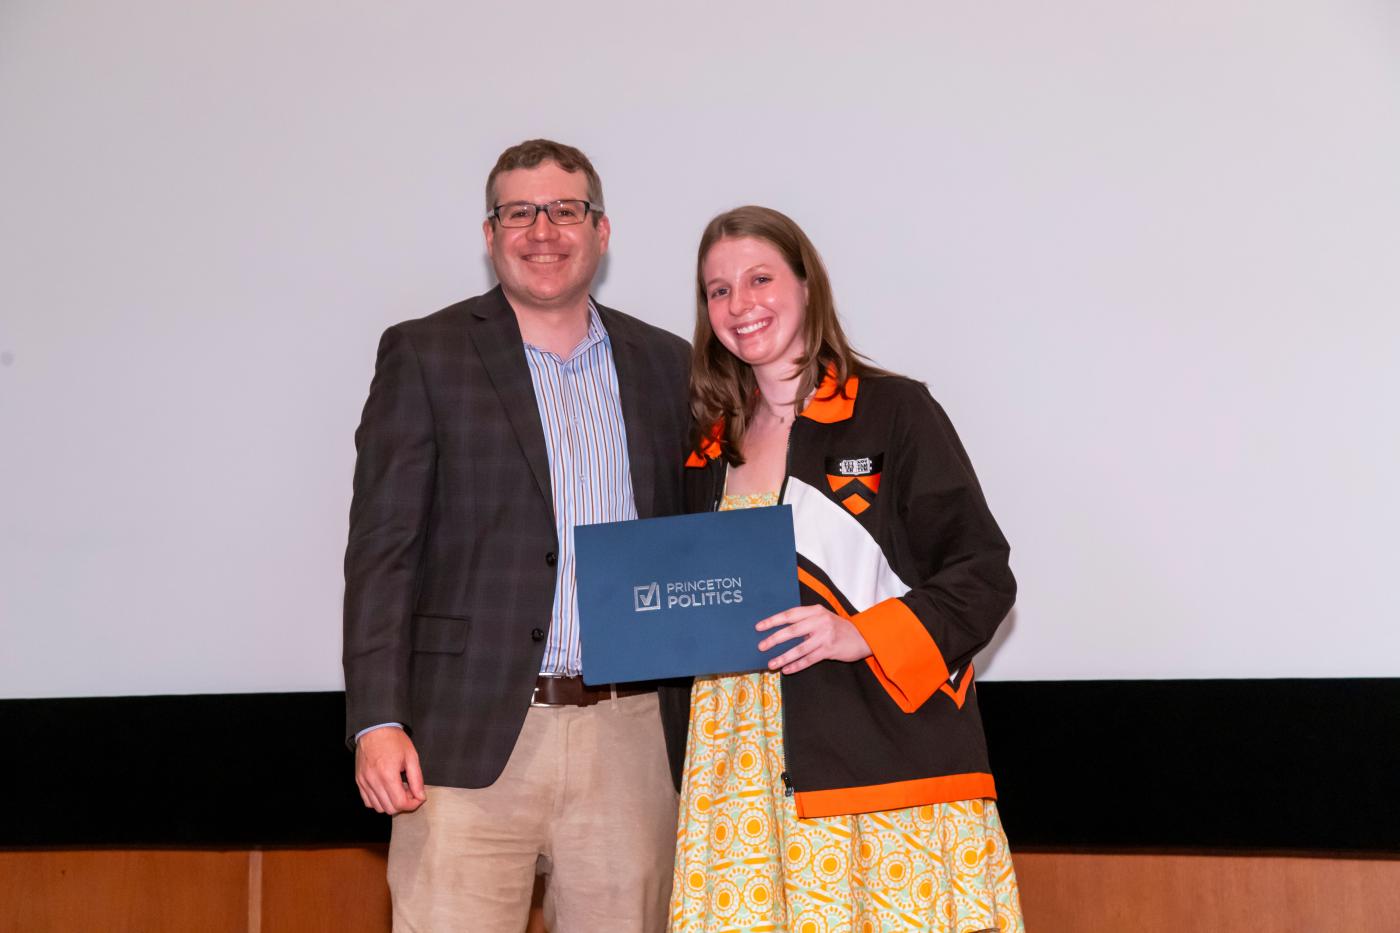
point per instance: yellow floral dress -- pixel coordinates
(745, 862)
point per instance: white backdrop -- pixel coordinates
(1146, 254)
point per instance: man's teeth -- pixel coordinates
(544, 257)
(750, 328)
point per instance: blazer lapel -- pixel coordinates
(497, 337)
(632, 367)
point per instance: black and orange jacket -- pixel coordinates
(892, 533)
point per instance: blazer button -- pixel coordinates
(537, 634)
(551, 558)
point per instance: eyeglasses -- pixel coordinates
(563, 212)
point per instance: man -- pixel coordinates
(492, 428)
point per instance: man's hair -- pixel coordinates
(723, 388)
(531, 153)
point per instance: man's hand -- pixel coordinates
(824, 635)
(387, 772)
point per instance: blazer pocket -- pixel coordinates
(440, 634)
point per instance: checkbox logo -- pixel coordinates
(647, 598)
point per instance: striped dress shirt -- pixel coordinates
(589, 472)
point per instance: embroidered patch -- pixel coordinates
(855, 480)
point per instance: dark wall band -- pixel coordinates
(1298, 765)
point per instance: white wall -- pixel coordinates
(1147, 255)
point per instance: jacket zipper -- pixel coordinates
(788, 789)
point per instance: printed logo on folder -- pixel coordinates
(679, 596)
(648, 597)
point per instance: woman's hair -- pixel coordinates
(722, 387)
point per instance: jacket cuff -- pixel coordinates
(903, 656)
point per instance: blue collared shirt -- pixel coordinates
(589, 472)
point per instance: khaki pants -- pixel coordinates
(587, 788)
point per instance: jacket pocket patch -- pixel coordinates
(855, 480)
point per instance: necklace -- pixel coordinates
(783, 412)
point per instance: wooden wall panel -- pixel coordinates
(324, 891)
(143, 891)
(343, 890)
(1063, 893)
(337, 891)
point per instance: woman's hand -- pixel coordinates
(827, 635)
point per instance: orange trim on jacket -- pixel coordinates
(709, 450)
(902, 653)
(908, 652)
(828, 406)
(960, 695)
(821, 589)
(895, 796)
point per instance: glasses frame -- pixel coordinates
(588, 208)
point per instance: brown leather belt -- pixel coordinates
(554, 690)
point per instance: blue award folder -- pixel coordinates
(679, 596)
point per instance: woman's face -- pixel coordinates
(757, 304)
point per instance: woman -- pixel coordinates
(846, 788)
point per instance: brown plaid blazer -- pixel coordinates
(449, 570)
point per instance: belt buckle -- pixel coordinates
(535, 692)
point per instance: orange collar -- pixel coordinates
(828, 406)
(709, 447)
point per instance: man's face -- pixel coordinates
(545, 266)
